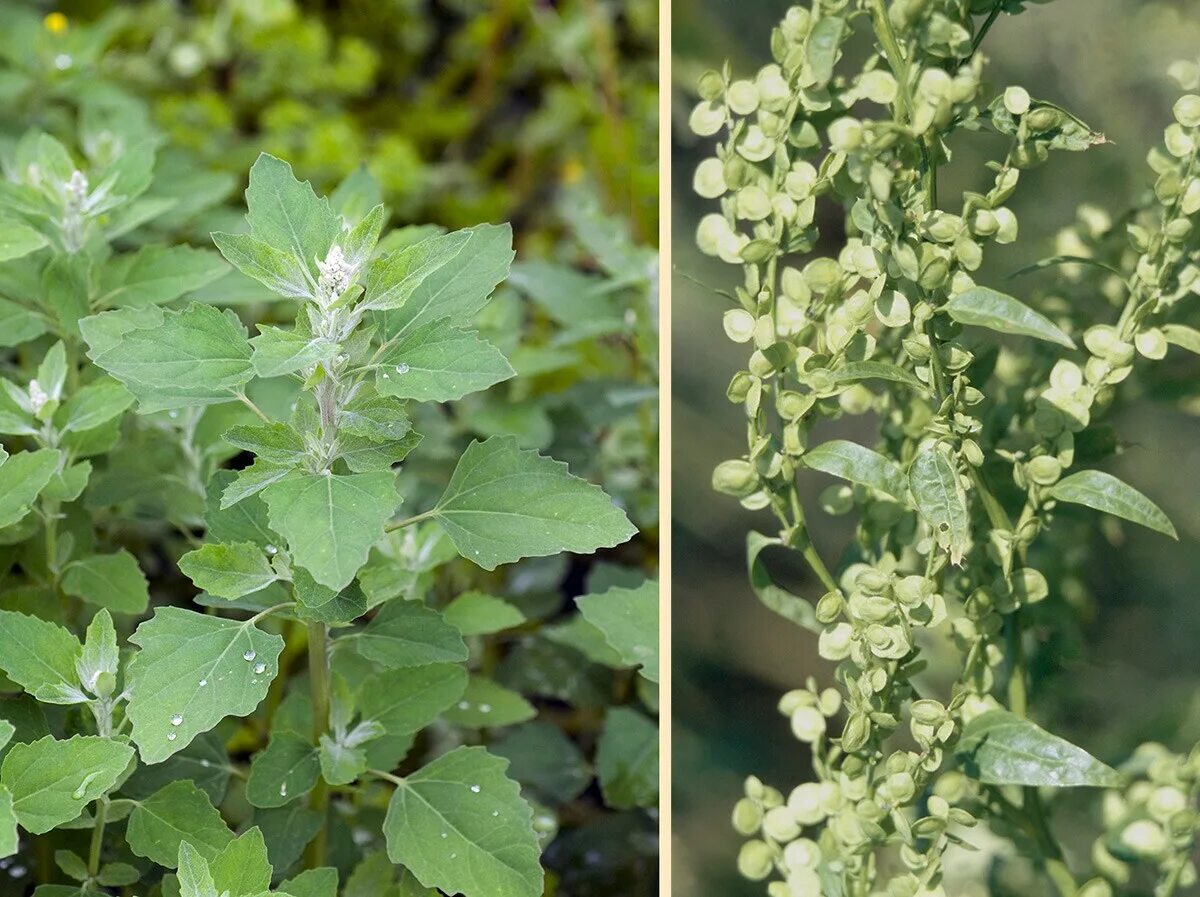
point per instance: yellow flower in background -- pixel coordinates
(55, 22)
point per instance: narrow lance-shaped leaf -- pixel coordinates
(192, 672)
(983, 307)
(460, 825)
(775, 597)
(1010, 750)
(503, 504)
(1104, 492)
(858, 464)
(941, 500)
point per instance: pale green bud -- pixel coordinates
(900, 787)
(829, 607)
(707, 118)
(780, 825)
(1164, 802)
(747, 817)
(710, 86)
(806, 804)
(755, 860)
(742, 97)
(830, 701)
(834, 643)
(1145, 838)
(1097, 887)
(808, 724)
(801, 854)
(878, 86)
(1045, 470)
(855, 735)
(845, 135)
(836, 500)
(739, 325)
(822, 274)
(709, 180)
(1006, 225)
(985, 223)
(796, 23)
(753, 203)
(803, 882)
(1016, 100)
(1187, 110)
(735, 477)
(755, 145)
(773, 91)
(711, 231)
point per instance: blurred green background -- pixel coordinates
(1136, 676)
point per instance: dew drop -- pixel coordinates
(271, 549)
(475, 788)
(485, 708)
(445, 835)
(495, 812)
(464, 705)
(283, 790)
(249, 656)
(203, 682)
(62, 61)
(402, 368)
(171, 736)
(177, 720)
(260, 668)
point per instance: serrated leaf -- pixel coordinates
(40, 657)
(629, 620)
(93, 405)
(393, 277)
(114, 581)
(487, 705)
(228, 570)
(982, 307)
(287, 830)
(319, 882)
(242, 867)
(197, 356)
(330, 522)
(195, 878)
(174, 814)
(196, 669)
(283, 211)
(440, 363)
(409, 634)
(286, 769)
(204, 762)
(275, 443)
(408, 700)
(1009, 750)
(1104, 492)
(9, 840)
(474, 613)
(941, 500)
(489, 848)
(155, 275)
(22, 477)
(278, 352)
(504, 503)
(858, 464)
(544, 760)
(627, 759)
(250, 481)
(280, 272)
(52, 781)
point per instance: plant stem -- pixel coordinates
(318, 677)
(97, 837)
(407, 521)
(895, 58)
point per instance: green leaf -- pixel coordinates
(9, 840)
(155, 275)
(172, 815)
(250, 481)
(330, 522)
(474, 613)
(854, 371)
(982, 307)
(1056, 260)
(1176, 334)
(278, 352)
(285, 212)
(458, 291)
(19, 324)
(409, 634)
(629, 620)
(504, 504)
(941, 500)
(242, 867)
(100, 655)
(275, 442)
(1009, 750)
(1104, 492)
(627, 759)
(393, 278)
(280, 272)
(193, 357)
(440, 363)
(408, 700)
(17, 240)
(93, 405)
(287, 830)
(195, 878)
(40, 657)
(114, 581)
(489, 848)
(192, 672)
(22, 477)
(228, 570)
(488, 705)
(544, 760)
(52, 781)
(319, 882)
(858, 464)
(286, 769)
(823, 42)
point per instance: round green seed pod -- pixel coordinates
(755, 860)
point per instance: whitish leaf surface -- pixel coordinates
(408, 700)
(286, 769)
(1009, 750)
(228, 570)
(192, 672)
(242, 867)
(330, 522)
(982, 307)
(627, 759)
(22, 477)
(460, 825)
(440, 363)
(941, 500)
(195, 878)
(858, 464)
(279, 271)
(629, 620)
(1103, 492)
(474, 613)
(40, 657)
(52, 781)
(409, 634)
(114, 581)
(176, 813)
(504, 503)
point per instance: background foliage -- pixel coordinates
(1139, 680)
(461, 112)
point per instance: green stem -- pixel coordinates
(408, 521)
(895, 58)
(318, 677)
(97, 837)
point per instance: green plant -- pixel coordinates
(965, 501)
(273, 459)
